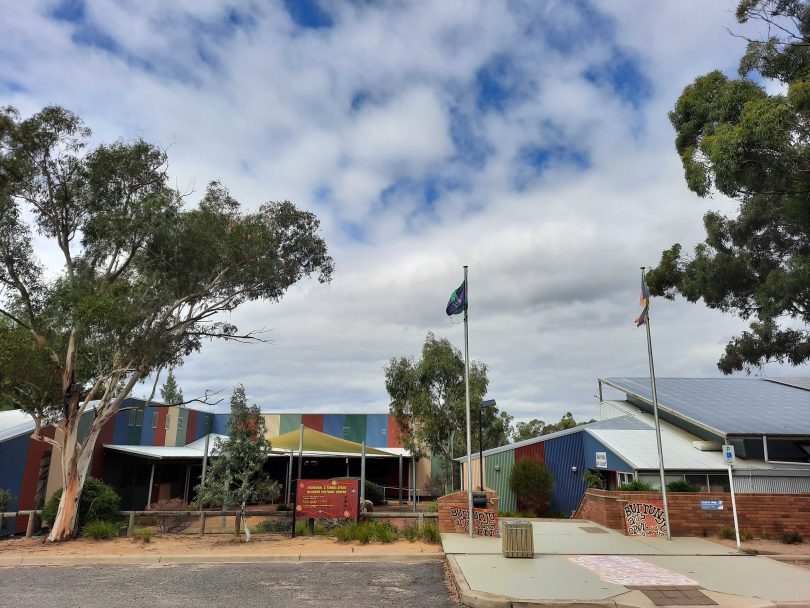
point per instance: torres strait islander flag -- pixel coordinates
(458, 300)
(643, 300)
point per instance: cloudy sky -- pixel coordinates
(527, 139)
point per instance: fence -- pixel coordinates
(203, 515)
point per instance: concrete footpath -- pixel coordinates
(580, 563)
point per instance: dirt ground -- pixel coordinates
(217, 544)
(767, 547)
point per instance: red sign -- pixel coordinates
(328, 498)
(645, 519)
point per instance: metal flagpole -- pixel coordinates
(657, 423)
(467, 399)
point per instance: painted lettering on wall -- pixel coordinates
(645, 519)
(484, 521)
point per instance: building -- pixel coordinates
(154, 452)
(766, 420)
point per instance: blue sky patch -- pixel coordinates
(497, 84)
(471, 148)
(308, 14)
(532, 161)
(623, 75)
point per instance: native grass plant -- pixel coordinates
(681, 485)
(141, 282)
(746, 535)
(791, 537)
(429, 532)
(410, 532)
(236, 476)
(432, 507)
(533, 484)
(636, 485)
(167, 522)
(100, 530)
(143, 534)
(727, 533)
(98, 502)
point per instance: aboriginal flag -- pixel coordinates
(644, 302)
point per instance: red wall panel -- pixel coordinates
(105, 436)
(30, 480)
(394, 432)
(313, 421)
(535, 451)
(191, 426)
(160, 431)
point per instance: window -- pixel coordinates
(133, 416)
(168, 417)
(154, 419)
(384, 431)
(346, 431)
(180, 423)
(139, 420)
(625, 478)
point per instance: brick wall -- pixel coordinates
(771, 513)
(454, 505)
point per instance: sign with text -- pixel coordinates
(601, 460)
(645, 519)
(328, 498)
(711, 505)
(728, 450)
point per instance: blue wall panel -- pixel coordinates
(13, 454)
(121, 428)
(377, 430)
(221, 424)
(147, 432)
(204, 424)
(333, 424)
(563, 453)
(614, 463)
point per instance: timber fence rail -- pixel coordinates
(204, 514)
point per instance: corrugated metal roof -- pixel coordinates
(728, 406)
(802, 383)
(14, 423)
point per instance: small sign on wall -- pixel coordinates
(601, 460)
(711, 505)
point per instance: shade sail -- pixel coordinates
(315, 441)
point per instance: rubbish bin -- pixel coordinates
(517, 540)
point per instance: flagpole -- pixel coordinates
(467, 399)
(657, 423)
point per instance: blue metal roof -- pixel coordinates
(728, 406)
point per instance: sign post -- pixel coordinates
(728, 451)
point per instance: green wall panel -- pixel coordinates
(499, 480)
(289, 422)
(354, 427)
(182, 426)
(134, 432)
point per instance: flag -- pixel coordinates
(644, 301)
(458, 300)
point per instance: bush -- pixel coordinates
(284, 507)
(374, 493)
(432, 507)
(100, 530)
(792, 538)
(681, 485)
(430, 533)
(98, 502)
(273, 526)
(532, 483)
(728, 533)
(411, 532)
(594, 479)
(383, 532)
(142, 533)
(636, 486)
(746, 535)
(171, 523)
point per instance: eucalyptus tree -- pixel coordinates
(748, 138)
(128, 281)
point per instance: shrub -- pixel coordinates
(746, 535)
(793, 537)
(728, 533)
(142, 533)
(594, 479)
(411, 532)
(100, 530)
(432, 507)
(374, 493)
(171, 523)
(273, 526)
(636, 486)
(681, 485)
(363, 533)
(532, 483)
(430, 533)
(383, 532)
(98, 502)
(346, 532)
(284, 507)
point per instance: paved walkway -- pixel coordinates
(579, 561)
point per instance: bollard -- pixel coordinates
(29, 529)
(311, 526)
(131, 524)
(237, 523)
(202, 523)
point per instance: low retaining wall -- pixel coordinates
(768, 513)
(454, 514)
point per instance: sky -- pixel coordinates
(526, 139)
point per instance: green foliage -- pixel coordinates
(793, 537)
(100, 530)
(746, 535)
(537, 428)
(681, 485)
(142, 533)
(636, 485)
(410, 532)
(594, 479)
(728, 534)
(735, 138)
(374, 493)
(98, 502)
(429, 532)
(236, 476)
(432, 507)
(170, 392)
(383, 532)
(532, 483)
(274, 526)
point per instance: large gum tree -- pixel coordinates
(129, 281)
